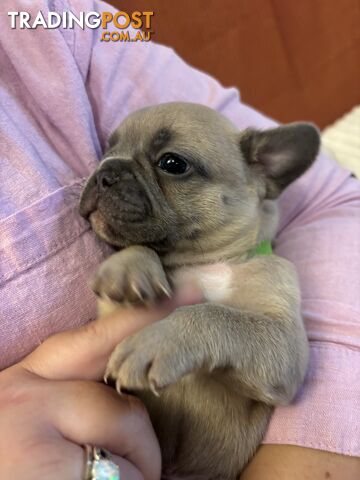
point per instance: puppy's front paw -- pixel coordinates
(132, 276)
(151, 359)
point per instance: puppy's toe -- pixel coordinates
(127, 280)
(108, 285)
(146, 287)
(165, 370)
(129, 368)
(117, 358)
(132, 374)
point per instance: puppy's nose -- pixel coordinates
(106, 179)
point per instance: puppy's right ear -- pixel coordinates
(280, 155)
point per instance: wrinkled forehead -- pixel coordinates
(184, 126)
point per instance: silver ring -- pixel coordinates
(98, 465)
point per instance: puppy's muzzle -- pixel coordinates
(116, 193)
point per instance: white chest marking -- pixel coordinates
(214, 280)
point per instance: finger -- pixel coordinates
(60, 459)
(83, 353)
(56, 459)
(90, 412)
(127, 470)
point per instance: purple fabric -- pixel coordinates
(62, 93)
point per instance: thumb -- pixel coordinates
(82, 353)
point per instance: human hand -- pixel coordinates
(51, 403)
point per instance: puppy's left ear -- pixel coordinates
(280, 155)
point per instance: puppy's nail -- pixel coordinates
(105, 297)
(164, 289)
(118, 387)
(137, 291)
(107, 375)
(153, 388)
(212, 367)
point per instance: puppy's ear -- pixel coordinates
(280, 155)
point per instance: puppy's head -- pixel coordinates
(180, 176)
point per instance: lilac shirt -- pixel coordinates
(62, 92)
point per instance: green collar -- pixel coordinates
(262, 248)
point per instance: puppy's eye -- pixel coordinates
(173, 163)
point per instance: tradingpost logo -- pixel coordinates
(115, 26)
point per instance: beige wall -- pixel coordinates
(292, 59)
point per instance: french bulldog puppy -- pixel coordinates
(186, 197)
